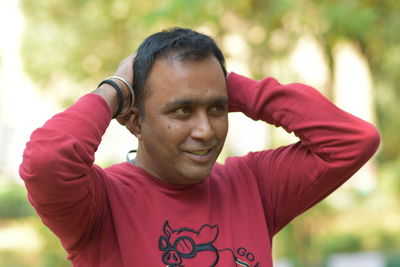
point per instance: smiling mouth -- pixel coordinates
(200, 152)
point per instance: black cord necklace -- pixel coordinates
(128, 159)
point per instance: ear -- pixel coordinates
(167, 229)
(207, 234)
(133, 123)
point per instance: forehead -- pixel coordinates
(172, 79)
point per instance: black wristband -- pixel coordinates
(119, 93)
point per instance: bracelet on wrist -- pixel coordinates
(119, 94)
(128, 85)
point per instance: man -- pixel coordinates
(173, 205)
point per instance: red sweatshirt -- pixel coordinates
(122, 216)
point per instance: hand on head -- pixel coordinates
(125, 71)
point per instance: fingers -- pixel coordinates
(125, 69)
(128, 61)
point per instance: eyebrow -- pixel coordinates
(196, 102)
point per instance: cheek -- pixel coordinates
(171, 126)
(172, 133)
(177, 128)
(221, 127)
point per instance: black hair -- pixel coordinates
(175, 43)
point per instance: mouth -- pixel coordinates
(201, 156)
(202, 152)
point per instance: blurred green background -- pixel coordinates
(69, 45)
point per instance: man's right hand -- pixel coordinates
(125, 71)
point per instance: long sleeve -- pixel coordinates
(63, 184)
(333, 144)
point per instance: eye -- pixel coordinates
(184, 245)
(218, 109)
(183, 110)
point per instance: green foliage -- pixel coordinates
(393, 260)
(348, 19)
(13, 202)
(301, 241)
(349, 242)
(15, 259)
(390, 179)
(49, 252)
(52, 253)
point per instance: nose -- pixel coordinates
(202, 128)
(172, 257)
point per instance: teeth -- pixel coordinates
(199, 152)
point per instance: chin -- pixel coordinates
(196, 176)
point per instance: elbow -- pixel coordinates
(54, 159)
(35, 163)
(369, 141)
(358, 148)
(39, 155)
(372, 139)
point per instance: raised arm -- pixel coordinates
(63, 184)
(333, 144)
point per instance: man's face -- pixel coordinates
(185, 122)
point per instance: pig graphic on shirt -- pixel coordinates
(187, 247)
